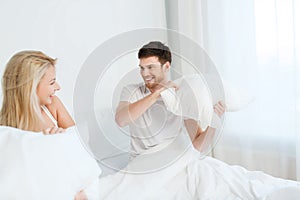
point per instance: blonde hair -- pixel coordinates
(20, 107)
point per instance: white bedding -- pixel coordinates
(193, 178)
(34, 166)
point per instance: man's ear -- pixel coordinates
(167, 66)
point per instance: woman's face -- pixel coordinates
(47, 87)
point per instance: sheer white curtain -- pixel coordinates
(255, 44)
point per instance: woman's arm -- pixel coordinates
(60, 113)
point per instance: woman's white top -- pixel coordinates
(49, 115)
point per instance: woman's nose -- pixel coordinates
(57, 86)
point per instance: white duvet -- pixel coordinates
(194, 178)
(34, 166)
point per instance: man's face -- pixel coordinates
(153, 72)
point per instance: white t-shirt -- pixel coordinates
(156, 126)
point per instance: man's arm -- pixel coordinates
(128, 112)
(197, 135)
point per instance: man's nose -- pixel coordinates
(145, 72)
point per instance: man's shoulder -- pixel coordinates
(133, 92)
(134, 86)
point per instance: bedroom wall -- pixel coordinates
(70, 30)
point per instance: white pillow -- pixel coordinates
(34, 166)
(236, 98)
(193, 99)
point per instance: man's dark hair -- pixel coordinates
(158, 49)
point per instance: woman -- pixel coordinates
(29, 101)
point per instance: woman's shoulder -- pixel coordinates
(60, 113)
(55, 105)
(55, 101)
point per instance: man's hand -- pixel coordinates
(167, 85)
(53, 130)
(219, 108)
(128, 112)
(80, 196)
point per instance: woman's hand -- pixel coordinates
(80, 196)
(53, 130)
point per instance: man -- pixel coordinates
(152, 125)
(141, 106)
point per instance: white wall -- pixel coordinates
(70, 30)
